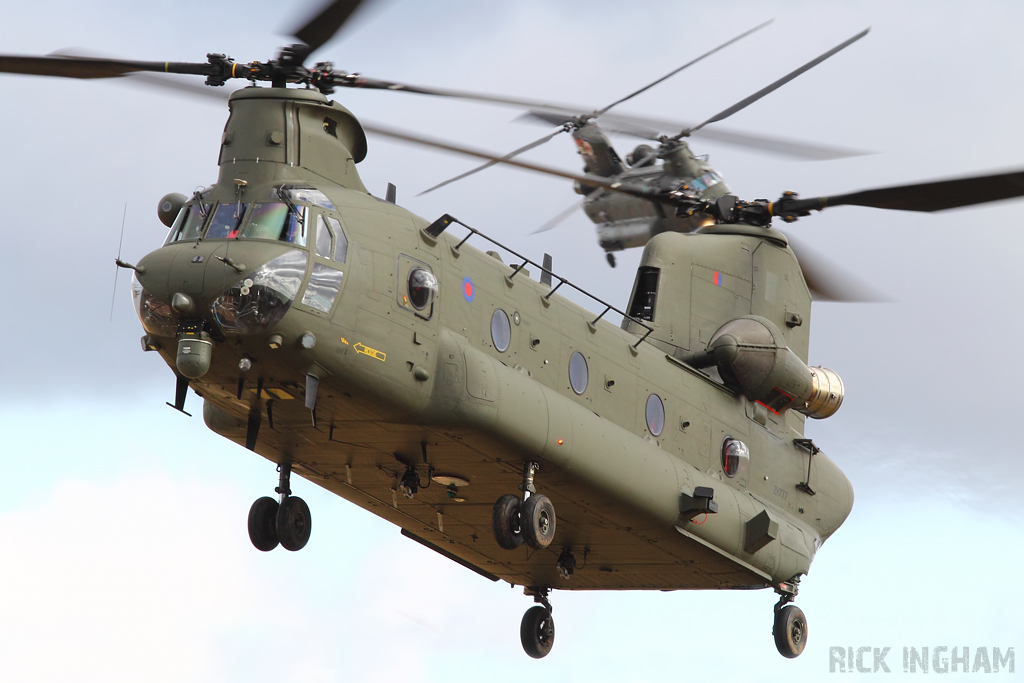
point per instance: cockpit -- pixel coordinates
(284, 216)
(300, 216)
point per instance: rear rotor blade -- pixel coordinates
(743, 104)
(327, 22)
(938, 195)
(828, 281)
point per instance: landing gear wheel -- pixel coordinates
(263, 524)
(611, 258)
(537, 631)
(537, 517)
(790, 631)
(293, 523)
(505, 521)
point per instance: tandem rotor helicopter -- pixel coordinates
(391, 361)
(623, 221)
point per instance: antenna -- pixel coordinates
(117, 268)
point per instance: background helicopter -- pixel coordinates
(625, 221)
(923, 483)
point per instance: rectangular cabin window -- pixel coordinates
(645, 294)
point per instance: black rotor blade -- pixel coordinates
(937, 195)
(827, 281)
(743, 104)
(328, 21)
(90, 67)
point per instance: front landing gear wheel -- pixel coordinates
(790, 631)
(537, 516)
(294, 523)
(263, 524)
(505, 521)
(537, 631)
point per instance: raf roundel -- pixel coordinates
(468, 290)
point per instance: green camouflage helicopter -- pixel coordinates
(623, 221)
(376, 354)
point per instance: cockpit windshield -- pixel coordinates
(189, 223)
(226, 221)
(276, 221)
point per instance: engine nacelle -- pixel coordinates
(751, 355)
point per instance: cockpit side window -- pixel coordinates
(276, 221)
(340, 241)
(189, 223)
(323, 237)
(226, 221)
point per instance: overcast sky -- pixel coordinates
(125, 554)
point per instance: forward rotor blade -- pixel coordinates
(690, 63)
(328, 21)
(510, 155)
(586, 179)
(654, 129)
(828, 281)
(89, 67)
(743, 104)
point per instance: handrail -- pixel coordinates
(441, 224)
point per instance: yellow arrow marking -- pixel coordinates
(372, 353)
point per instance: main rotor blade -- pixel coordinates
(586, 179)
(938, 195)
(514, 153)
(829, 281)
(690, 63)
(557, 219)
(328, 21)
(89, 67)
(654, 129)
(743, 104)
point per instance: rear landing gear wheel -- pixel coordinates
(505, 521)
(537, 631)
(537, 517)
(790, 631)
(263, 524)
(294, 523)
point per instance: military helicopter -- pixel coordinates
(382, 357)
(624, 221)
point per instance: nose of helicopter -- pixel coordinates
(227, 288)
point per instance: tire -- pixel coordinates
(537, 632)
(263, 524)
(790, 631)
(505, 522)
(294, 523)
(537, 516)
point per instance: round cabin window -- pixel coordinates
(422, 288)
(655, 415)
(578, 374)
(501, 330)
(735, 456)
